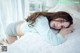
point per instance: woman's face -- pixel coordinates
(59, 23)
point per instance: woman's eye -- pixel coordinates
(61, 22)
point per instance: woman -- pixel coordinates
(57, 23)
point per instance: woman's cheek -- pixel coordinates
(51, 24)
(66, 24)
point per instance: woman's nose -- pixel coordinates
(60, 26)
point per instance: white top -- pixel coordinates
(41, 27)
(38, 39)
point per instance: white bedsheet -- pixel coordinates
(35, 44)
(30, 44)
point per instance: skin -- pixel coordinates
(53, 24)
(13, 38)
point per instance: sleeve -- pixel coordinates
(55, 39)
(42, 27)
(60, 39)
(25, 27)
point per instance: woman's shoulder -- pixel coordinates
(24, 25)
(42, 18)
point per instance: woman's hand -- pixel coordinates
(65, 31)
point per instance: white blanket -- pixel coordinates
(36, 44)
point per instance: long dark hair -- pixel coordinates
(50, 16)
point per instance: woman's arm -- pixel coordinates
(59, 38)
(62, 34)
(65, 31)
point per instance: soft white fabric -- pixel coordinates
(63, 5)
(36, 44)
(29, 44)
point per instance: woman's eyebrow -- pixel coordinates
(60, 20)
